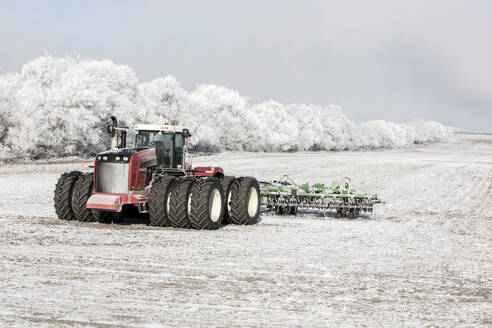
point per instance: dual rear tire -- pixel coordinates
(82, 190)
(159, 201)
(203, 203)
(180, 203)
(244, 201)
(206, 201)
(64, 194)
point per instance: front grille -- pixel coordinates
(112, 178)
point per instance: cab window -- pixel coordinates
(179, 142)
(163, 144)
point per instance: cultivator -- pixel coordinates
(286, 197)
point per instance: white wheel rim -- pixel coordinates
(168, 203)
(229, 202)
(189, 203)
(215, 205)
(252, 201)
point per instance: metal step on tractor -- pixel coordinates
(157, 178)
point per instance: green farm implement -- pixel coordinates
(287, 197)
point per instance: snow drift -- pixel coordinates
(60, 106)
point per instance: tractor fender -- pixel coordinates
(208, 171)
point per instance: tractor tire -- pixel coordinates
(207, 204)
(227, 182)
(107, 217)
(244, 204)
(179, 211)
(63, 195)
(159, 201)
(82, 190)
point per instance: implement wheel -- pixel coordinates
(206, 204)
(292, 210)
(63, 195)
(280, 210)
(353, 213)
(159, 201)
(244, 204)
(82, 190)
(179, 203)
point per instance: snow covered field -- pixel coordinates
(424, 258)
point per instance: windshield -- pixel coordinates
(169, 147)
(153, 138)
(162, 142)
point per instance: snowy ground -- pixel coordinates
(424, 259)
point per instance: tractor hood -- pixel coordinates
(119, 171)
(118, 155)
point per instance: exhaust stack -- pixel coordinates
(113, 132)
(117, 133)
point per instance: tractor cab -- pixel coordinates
(169, 142)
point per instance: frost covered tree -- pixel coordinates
(278, 130)
(60, 106)
(162, 99)
(219, 118)
(8, 86)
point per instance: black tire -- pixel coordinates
(179, 213)
(292, 210)
(158, 201)
(63, 195)
(280, 210)
(244, 206)
(82, 190)
(353, 214)
(339, 214)
(107, 217)
(205, 213)
(227, 182)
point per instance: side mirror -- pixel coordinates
(186, 133)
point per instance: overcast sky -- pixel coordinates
(393, 60)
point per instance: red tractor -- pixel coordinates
(156, 177)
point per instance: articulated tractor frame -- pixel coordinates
(156, 177)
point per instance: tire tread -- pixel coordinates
(199, 213)
(159, 192)
(178, 203)
(63, 195)
(82, 190)
(239, 204)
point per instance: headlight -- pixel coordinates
(125, 158)
(105, 158)
(117, 158)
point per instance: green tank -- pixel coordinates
(286, 197)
